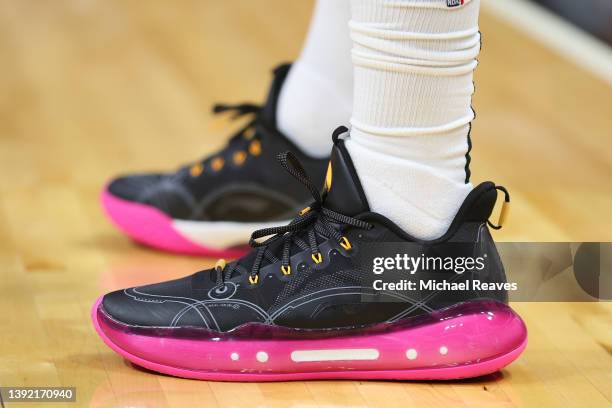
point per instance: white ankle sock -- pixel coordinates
(317, 95)
(413, 72)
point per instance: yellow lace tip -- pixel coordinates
(286, 270)
(344, 243)
(220, 264)
(253, 279)
(304, 210)
(317, 258)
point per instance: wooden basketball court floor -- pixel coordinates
(91, 88)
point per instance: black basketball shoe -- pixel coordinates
(340, 292)
(211, 207)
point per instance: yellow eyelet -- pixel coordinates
(196, 170)
(217, 163)
(239, 157)
(255, 148)
(220, 264)
(344, 243)
(304, 210)
(286, 270)
(253, 279)
(249, 133)
(318, 258)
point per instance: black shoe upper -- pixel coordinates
(239, 183)
(311, 273)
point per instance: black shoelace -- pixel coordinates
(311, 221)
(240, 110)
(245, 134)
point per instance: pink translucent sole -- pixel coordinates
(459, 342)
(149, 226)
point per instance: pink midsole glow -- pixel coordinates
(150, 226)
(459, 347)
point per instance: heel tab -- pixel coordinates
(479, 204)
(343, 190)
(268, 112)
(340, 130)
(282, 69)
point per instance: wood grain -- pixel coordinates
(92, 88)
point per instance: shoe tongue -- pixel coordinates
(343, 190)
(268, 112)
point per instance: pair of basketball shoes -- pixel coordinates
(302, 304)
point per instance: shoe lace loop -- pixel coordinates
(239, 109)
(315, 220)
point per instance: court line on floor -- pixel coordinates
(558, 34)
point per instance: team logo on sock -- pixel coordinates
(454, 3)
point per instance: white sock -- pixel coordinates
(413, 71)
(317, 95)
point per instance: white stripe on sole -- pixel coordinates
(220, 234)
(300, 356)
